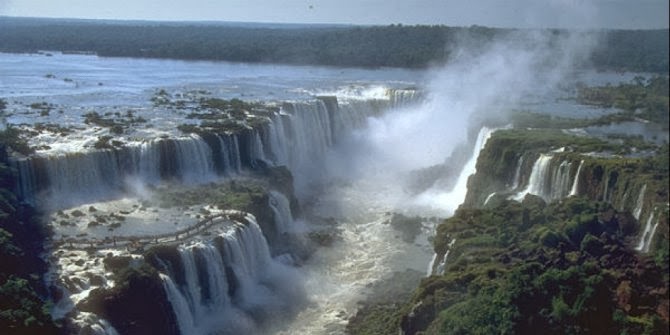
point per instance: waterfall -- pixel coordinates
(560, 181)
(651, 237)
(354, 114)
(281, 208)
(230, 284)
(402, 97)
(431, 265)
(606, 187)
(647, 234)
(144, 160)
(489, 198)
(440, 267)
(575, 184)
(98, 174)
(256, 150)
(447, 202)
(470, 167)
(71, 176)
(640, 203)
(538, 178)
(194, 159)
(277, 139)
(180, 306)
(228, 160)
(517, 174)
(451, 200)
(298, 136)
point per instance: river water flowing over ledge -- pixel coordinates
(263, 198)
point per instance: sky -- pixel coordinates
(624, 14)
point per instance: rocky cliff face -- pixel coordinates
(137, 304)
(509, 168)
(551, 238)
(150, 287)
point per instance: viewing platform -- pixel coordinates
(138, 242)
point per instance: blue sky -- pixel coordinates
(496, 13)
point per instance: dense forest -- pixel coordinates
(359, 46)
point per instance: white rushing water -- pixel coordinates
(437, 200)
(560, 181)
(517, 174)
(637, 212)
(574, 190)
(647, 235)
(537, 180)
(230, 284)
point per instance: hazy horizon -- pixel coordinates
(594, 14)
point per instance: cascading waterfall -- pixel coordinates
(574, 190)
(306, 135)
(549, 180)
(229, 283)
(449, 201)
(98, 174)
(256, 150)
(606, 188)
(402, 97)
(488, 198)
(560, 181)
(647, 235)
(297, 136)
(640, 202)
(469, 169)
(194, 159)
(229, 161)
(517, 174)
(281, 208)
(438, 269)
(354, 114)
(537, 180)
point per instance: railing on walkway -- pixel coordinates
(138, 242)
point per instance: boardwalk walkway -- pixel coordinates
(138, 242)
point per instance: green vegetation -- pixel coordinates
(566, 267)
(218, 116)
(644, 99)
(372, 46)
(24, 306)
(531, 268)
(116, 123)
(236, 194)
(525, 268)
(633, 50)
(16, 140)
(639, 99)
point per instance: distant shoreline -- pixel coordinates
(396, 46)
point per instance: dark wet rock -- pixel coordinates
(137, 304)
(409, 227)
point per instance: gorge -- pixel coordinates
(221, 198)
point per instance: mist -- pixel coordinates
(478, 86)
(367, 176)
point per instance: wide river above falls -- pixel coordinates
(367, 249)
